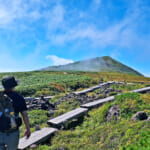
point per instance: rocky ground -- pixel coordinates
(44, 104)
(86, 98)
(40, 103)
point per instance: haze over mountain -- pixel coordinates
(98, 64)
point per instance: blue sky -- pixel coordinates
(36, 33)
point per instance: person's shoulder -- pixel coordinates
(17, 94)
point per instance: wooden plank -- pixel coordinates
(143, 90)
(111, 98)
(67, 116)
(94, 88)
(88, 90)
(36, 138)
(49, 97)
(98, 102)
(38, 98)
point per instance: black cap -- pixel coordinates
(9, 82)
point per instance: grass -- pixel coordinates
(111, 76)
(36, 117)
(96, 133)
(54, 83)
(66, 106)
(128, 87)
(49, 83)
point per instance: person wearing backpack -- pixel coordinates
(11, 104)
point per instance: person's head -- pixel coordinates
(9, 83)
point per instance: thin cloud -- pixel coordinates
(58, 61)
(97, 2)
(61, 31)
(123, 33)
(55, 20)
(56, 24)
(12, 11)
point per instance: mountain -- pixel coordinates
(98, 64)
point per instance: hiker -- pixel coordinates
(11, 104)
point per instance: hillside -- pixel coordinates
(92, 132)
(53, 83)
(95, 131)
(98, 64)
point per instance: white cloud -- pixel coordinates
(97, 2)
(95, 5)
(97, 37)
(58, 61)
(123, 33)
(62, 25)
(55, 20)
(12, 10)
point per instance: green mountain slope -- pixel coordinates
(98, 64)
(96, 133)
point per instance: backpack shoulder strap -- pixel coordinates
(6, 101)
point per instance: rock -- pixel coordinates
(51, 112)
(148, 119)
(44, 104)
(51, 105)
(40, 104)
(61, 148)
(113, 113)
(84, 98)
(42, 97)
(37, 128)
(101, 80)
(141, 115)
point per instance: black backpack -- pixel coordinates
(8, 120)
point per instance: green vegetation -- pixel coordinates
(66, 106)
(49, 83)
(113, 76)
(95, 133)
(36, 117)
(54, 83)
(128, 87)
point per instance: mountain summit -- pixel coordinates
(98, 64)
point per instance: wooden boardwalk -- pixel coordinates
(94, 88)
(38, 98)
(111, 98)
(98, 102)
(36, 138)
(143, 90)
(42, 135)
(61, 120)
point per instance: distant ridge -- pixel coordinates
(98, 64)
